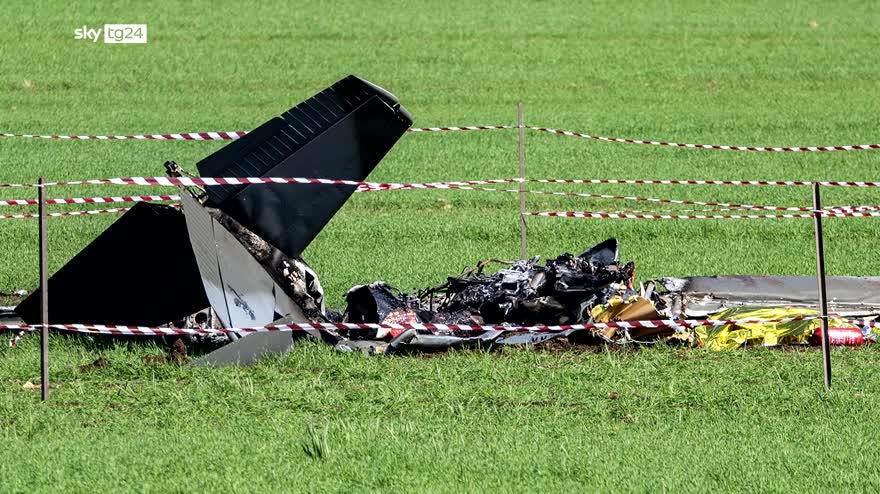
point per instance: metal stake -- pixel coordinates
(820, 280)
(44, 296)
(523, 236)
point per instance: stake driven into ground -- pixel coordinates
(798, 74)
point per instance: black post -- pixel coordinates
(44, 296)
(820, 280)
(523, 236)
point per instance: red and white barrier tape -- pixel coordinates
(841, 211)
(461, 186)
(605, 215)
(207, 181)
(663, 323)
(89, 200)
(471, 127)
(374, 187)
(437, 185)
(188, 136)
(848, 214)
(364, 187)
(641, 199)
(856, 147)
(847, 209)
(223, 136)
(226, 136)
(17, 338)
(660, 215)
(703, 182)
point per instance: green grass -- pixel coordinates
(793, 73)
(516, 421)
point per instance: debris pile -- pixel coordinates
(594, 287)
(525, 293)
(563, 291)
(560, 292)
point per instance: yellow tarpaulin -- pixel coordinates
(733, 336)
(635, 309)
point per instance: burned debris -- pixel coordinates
(562, 291)
(524, 293)
(594, 287)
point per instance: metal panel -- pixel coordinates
(200, 228)
(249, 291)
(138, 272)
(240, 290)
(248, 350)
(707, 294)
(856, 290)
(342, 133)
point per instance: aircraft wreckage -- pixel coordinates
(231, 258)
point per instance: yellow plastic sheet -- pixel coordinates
(733, 336)
(635, 309)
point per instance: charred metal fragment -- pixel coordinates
(372, 303)
(412, 340)
(699, 296)
(604, 253)
(574, 336)
(560, 292)
(248, 350)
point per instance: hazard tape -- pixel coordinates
(662, 323)
(212, 181)
(436, 185)
(369, 187)
(606, 215)
(842, 211)
(462, 186)
(189, 136)
(641, 199)
(856, 147)
(851, 208)
(17, 338)
(226, 136)
(558, 214)
(655, 324)
(363, 187)
(208, 181)
(703, 182)
(89, 200)
(849, 214)
(839, 211)
(472, 127)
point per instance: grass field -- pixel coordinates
(774, 74)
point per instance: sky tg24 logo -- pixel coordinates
(113, 33)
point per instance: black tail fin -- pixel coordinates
(340, 133)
